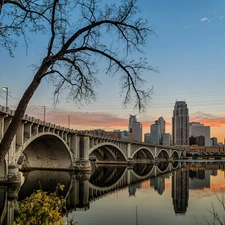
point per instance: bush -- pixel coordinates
(41, 208)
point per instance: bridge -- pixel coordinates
(43, 145)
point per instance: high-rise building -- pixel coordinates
(197, 129)
(162, 125)
(180, 124)
(132, 119)
(137, 131)
(134, 129)
(155, 133)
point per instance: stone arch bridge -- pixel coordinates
(42, 145)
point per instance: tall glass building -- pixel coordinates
(180, 124)
(132, 120)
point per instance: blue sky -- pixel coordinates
(188, 48)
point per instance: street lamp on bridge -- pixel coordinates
(43, 107)
(7, 94)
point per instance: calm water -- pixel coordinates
(139, 195)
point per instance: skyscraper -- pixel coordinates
(137, 131)
(162, 125)
(132, 119)
(155, 133)
(180, 124)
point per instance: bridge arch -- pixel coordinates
(175, 165)
(163, 154)
(108, 151)
(143, 171)
(45, 150)
(142, 152)
(175, 154)
(163, 167)
(118, 181)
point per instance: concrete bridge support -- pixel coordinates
(82, 152)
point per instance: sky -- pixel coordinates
(188, 48)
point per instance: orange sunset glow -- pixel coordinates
(110, 122)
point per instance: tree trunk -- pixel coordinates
(1, 4)
(20, 111)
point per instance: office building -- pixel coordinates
(162, 125)
(147, 138)
(180, 124)
(213, 141)
(132, 120)
(155, 133)
(197, 129)
(199, 140)
(136, 131)
(166, 139)
(125, 135)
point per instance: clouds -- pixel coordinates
(99, 120)
(208, 119)
(79, 120)
(205, 19)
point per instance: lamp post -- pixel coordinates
(68, 121)
(7, 94)
(43, 107)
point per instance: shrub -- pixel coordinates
(41, 208)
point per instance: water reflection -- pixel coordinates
(81, 189)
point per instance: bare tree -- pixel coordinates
(82, 32)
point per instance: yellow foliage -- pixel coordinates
(41, 208)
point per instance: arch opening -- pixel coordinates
(163, 155)
(143, 154)
(106, 176)
(163, 166)
(143, 169)
(47, 151)
(175, 155)
(106, 153)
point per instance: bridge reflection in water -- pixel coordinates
(80, 188)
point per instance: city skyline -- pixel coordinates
(187, 48)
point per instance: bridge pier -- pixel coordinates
(79, 192)
(9, 170)
(82, 155)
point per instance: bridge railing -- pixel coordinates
(11, 112)
(6, 110)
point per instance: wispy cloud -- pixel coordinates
(222, 16)
(79, 119)
(205, 19)
(108, 121)
(208, 119)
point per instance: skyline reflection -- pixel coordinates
(82, 190)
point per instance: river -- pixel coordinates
(185, 194)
